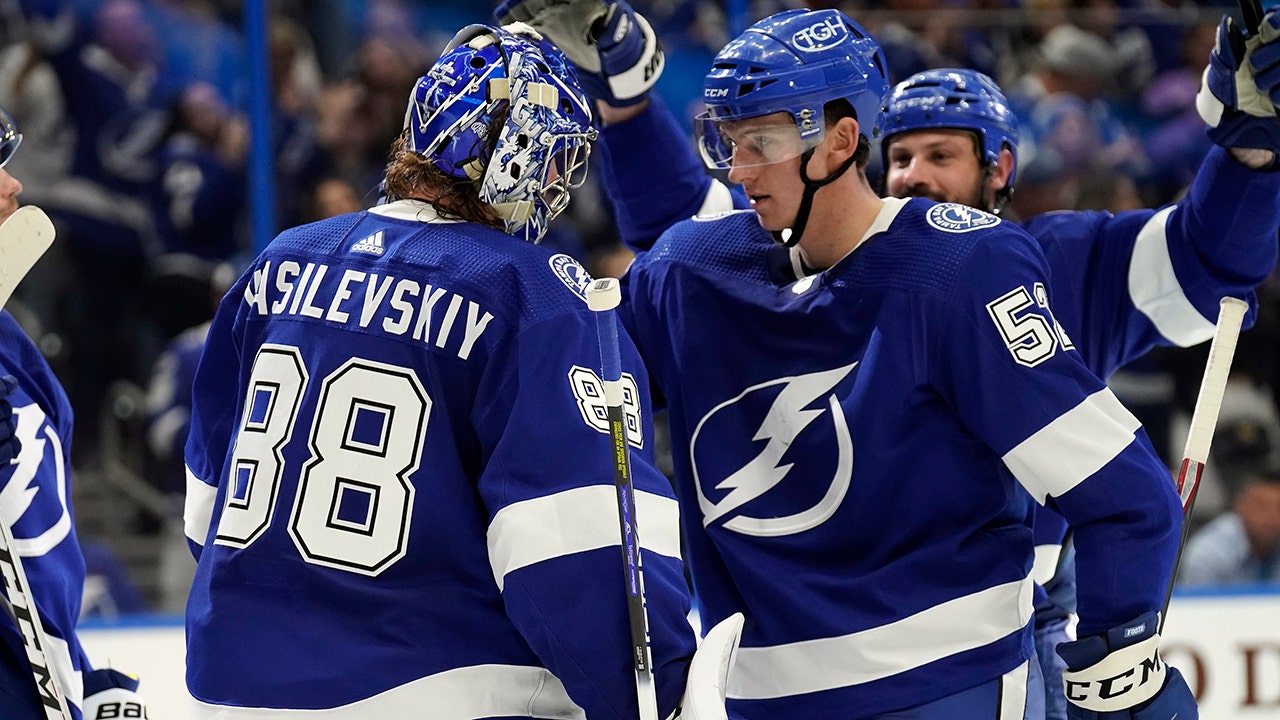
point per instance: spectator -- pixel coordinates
(1241, 545)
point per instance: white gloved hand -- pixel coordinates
(111, 695)
(708, 681)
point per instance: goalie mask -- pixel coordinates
(541, 150)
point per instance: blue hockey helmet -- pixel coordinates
(541, 150)
(794, 61)
(10, 138)
(953, 99)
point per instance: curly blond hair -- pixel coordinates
(412, 175)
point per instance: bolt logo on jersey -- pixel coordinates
(957, 218)
(785, 408)
(40, 440)
(571, 273)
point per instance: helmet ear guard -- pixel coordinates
(954, 99)
(541, 149)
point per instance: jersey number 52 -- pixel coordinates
(1032, 336)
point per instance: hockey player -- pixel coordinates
(809, 36)
(400, 484)
(1220, 239)
(1133, 280)
(35, 476)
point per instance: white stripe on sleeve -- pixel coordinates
(197, 510)
(1155, 291)
(717, 200)
(1073, 447)
(575, 521)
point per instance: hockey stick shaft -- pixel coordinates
(24, 237)
(1204, 418)
(603, 296)
(1251, 12)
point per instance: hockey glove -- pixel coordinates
(709, 672)
(612, 46)
(9, 445)
(1241, 86)
(111, 694)
(1120, 676)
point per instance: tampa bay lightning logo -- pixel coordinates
(571, 273)
(787, 407)
(957, 218)
(42, 449)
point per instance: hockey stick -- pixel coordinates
(24, 237)
(603, 296)
(1251, 13)
(1204, 418)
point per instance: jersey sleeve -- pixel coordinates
(1165, 269)
(215, 408)
(1019, 384)
(654, 178)
(554, 542)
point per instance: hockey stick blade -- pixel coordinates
(1204, 419)
(24, 237)
(603, 296)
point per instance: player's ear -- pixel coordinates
(843, 138)
(1002, 171)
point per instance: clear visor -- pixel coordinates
(566, 171)
(750, 141)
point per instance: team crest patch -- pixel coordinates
(571, 273)
(957, 218)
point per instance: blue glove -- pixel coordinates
(611, 45)
(1120, 676)
(9, 445)
(110, 694)
(1241, 86)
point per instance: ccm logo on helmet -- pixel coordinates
(819, 36)
(713, 93)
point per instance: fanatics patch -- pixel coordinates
(571, 273)
(957, 218)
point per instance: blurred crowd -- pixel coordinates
(136, 136)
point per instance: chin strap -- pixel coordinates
(791, 236)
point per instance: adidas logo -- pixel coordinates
(371, 245)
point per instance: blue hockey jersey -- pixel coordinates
(400, 485)
(1123, 283)
(34, 493)
(852, 443)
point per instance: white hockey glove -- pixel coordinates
(1240, 90)
(1121, 676)
(111, 695)
(9, 445)
(612, 46)
(709, 672)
